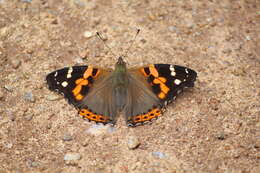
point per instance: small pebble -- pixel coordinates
(85, 142)
(35, 164)
(28, 1)
(132, 142)
(98, 129)
(15, 63)
(79, 3)
(9, 145)
(52, 97)
(72, 156)
(221, 136)
(4, 31)
(159, 154)
(28, 96)
(248, 38)
(67, 137)
(8, 88)
(78, 60)
(28, 117)
(88, 34)
(48, 126)
(173, 29)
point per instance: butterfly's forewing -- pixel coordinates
(64, 81)
(165, 82)
(76, 83)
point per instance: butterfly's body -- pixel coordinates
(120, 84)
(141, 93)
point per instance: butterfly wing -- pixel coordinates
(100, 102)
(141, 101)
(164, 83)
(76, 83)
(167, 81)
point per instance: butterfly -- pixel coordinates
(142, 93)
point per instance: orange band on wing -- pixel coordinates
(164, 89)
(88, 72)
(161, 95)
(153, 71)
(77, 90)
(79, 97)
(81, 81)
(93, 117)
(154, 113)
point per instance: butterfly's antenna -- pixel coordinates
(131, 44)
(103, 40)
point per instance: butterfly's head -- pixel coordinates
(120, 61)
(120, 64)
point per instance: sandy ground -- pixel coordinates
(213, 127)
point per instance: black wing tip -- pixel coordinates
(51, 83)
(192, 77)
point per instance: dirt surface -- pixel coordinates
(213, 127)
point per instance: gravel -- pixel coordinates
(28, 96)
(132, 142)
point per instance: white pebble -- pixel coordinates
(88, 34)
(72, 156)
(132, 142)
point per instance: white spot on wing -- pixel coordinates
(177, 81)
(172, 70)
(68, 75)
(186, 70)
(69, 72)
(64, 84)
(56, 73)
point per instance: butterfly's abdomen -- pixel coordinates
(120, 95)
(120, 85)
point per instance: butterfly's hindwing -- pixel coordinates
(100, 101)
(142, 104)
